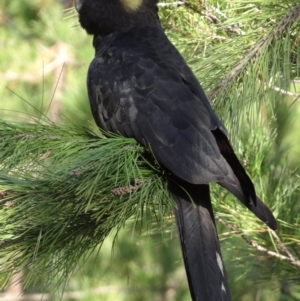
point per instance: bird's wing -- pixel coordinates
(140, 86)
(137, 87)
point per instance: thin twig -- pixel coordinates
(256, 50)
(285, 92)
(61, 57)
(176, 3)
(260, 248)
(282, 247)
(210, 13)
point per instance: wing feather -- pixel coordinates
(162, 110)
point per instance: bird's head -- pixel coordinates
(101, 17)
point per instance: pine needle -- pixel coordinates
(64, 189)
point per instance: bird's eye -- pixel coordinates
(78, 4)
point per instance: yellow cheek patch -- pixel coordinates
(131, 5)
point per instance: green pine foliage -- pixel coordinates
(64, 189)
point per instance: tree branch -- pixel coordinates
(255, 51)
(286, 92)
(260, 248)
(176, 3)
(210, 15)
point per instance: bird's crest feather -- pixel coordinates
(131, 5)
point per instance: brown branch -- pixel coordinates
(15, 286)
(210, 15)
(260, 248)
(61, 57)
(256, 50)
(282, 247)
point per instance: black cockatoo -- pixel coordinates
(140, 86)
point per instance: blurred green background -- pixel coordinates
(43, 65)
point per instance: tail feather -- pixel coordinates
(243, 189)
(199, 242)
(258, 208)
(239, 171)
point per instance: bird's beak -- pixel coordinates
(78, 4)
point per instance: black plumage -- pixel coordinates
(140, 86)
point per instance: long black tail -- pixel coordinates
(243, 189)
(199, 242)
